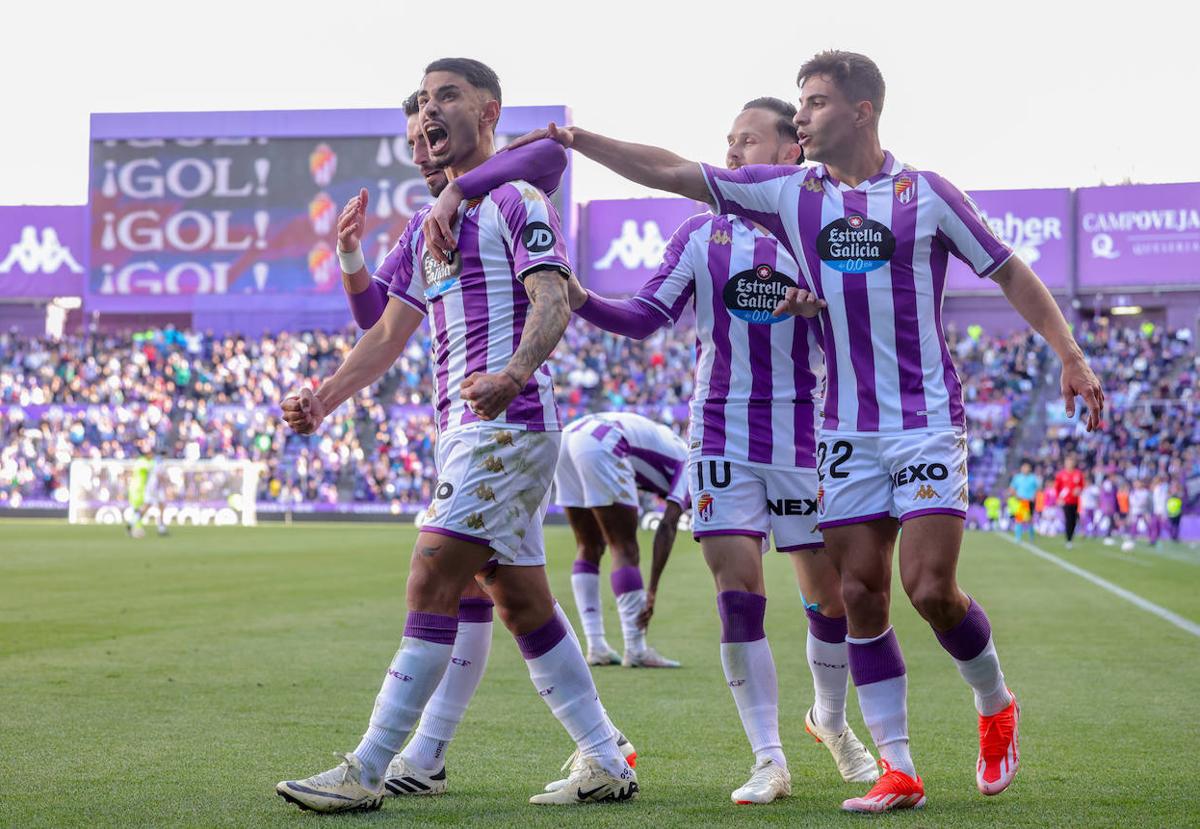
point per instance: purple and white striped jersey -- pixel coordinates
(387, 268)
(758, 376)
(658, 455)
(877, 255)
(477, 304)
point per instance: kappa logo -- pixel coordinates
(905, 188)
(538, 237)
(925, 493)
(634, 248)
(963, 496)
(46, 255)
(475, 521)
(529, 194)
(813, 185)
(720, 237)
(505, 438)
(705, 504)
(484, 493)
(493, 464)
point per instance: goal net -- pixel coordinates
(201, 493)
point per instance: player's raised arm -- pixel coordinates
(368, 360)
(489, 395)
(647, 165)
(1026, 293)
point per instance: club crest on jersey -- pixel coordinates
(905, 188)
(752, 295)
(855, 244)
(704, 506)
(440, 278)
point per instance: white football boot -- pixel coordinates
(590, 782)
(648, 658)
(403, 778)
(854, 762)
(597, 657)
(338, 790)
(768, 781)
(623, 745)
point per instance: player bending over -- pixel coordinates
(605, 460)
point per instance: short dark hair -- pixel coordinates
(478, 74)
(410, 105)
(857, 76)
(785, 111)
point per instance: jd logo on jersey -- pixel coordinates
(855, 245)
(538, 237)
(440, 278)
(752, 295)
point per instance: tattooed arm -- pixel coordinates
(489, 395)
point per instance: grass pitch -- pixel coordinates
(172, 682)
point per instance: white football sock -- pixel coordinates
(750, 673)
(562, 679)
(448, 705)
(586, 587)
(415, 672)
(884, 707)
(566, 622)
(630, 606)
(829, 663)
(986, 679)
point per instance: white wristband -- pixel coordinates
(353, 261)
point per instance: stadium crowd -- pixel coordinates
(201, 396)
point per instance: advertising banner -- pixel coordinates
(1036, 224)
(1139, 235)
(626, 238)
(193, 211)
(43, 251)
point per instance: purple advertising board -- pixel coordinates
(43, 251)
(1138, 235)
(625, 239)
(1036, 223)
(205, 211)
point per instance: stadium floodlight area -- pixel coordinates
(201, 493)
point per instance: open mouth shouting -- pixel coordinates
(438, 138)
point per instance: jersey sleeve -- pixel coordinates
(679, 484)
(398, 269)
(754, 192)
(532, 230)
(964, 231)
(674, 283)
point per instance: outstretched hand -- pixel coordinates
(352, 223)
(554, 132)
(1078, 379)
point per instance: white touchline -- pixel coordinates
(1133, 598)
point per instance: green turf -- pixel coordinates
(174, 681)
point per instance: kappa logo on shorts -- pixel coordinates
(925, 493)
(505, 437)
(493, 464)
(484, 493)
(962, 495)
(705, 503)
(920, 472)
(474, 521)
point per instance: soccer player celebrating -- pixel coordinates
(872, 237)
(605, 460)
(497, 312)
(752, 453)
(420, 768)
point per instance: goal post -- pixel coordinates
(202, 493)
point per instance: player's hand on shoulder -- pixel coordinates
(488, 395)
(439, 223)
(352, 222)
(798, 302)
(303, 411)
(562, 135)
(576, 293)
